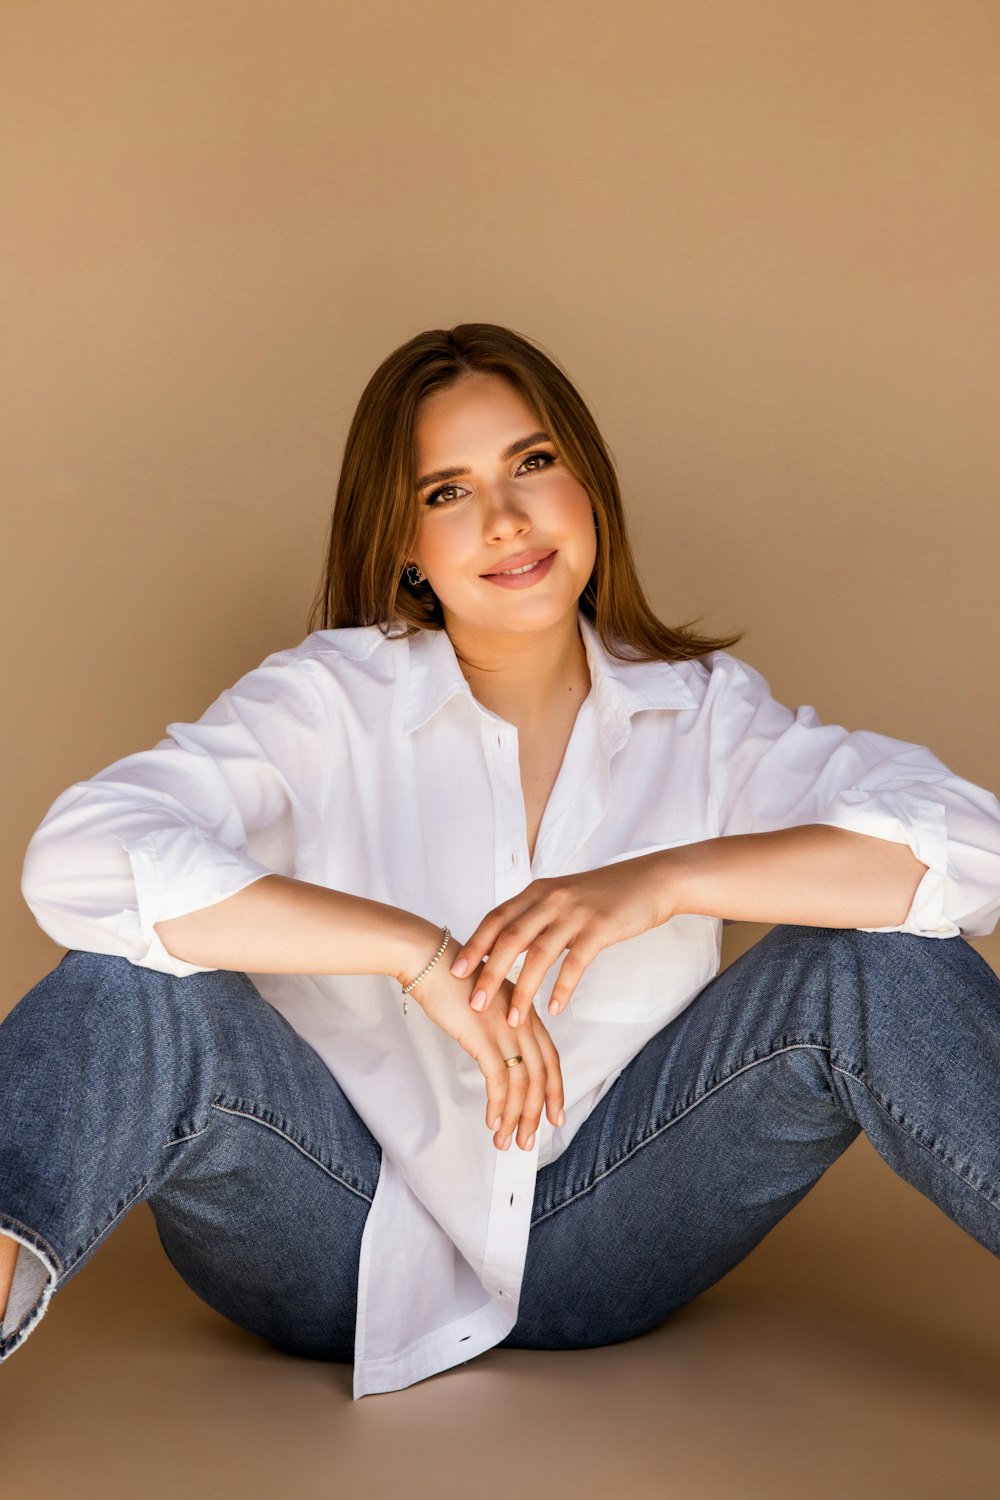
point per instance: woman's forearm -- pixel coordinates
(814, 875)
(278, 925)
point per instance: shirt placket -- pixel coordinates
(514, 1170)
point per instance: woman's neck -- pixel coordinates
(529, 679)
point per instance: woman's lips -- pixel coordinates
(522, 580)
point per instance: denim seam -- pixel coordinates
(912, 1132)
(247, 1115)
(100, 1234)
(793, 1047)
(177, 1139)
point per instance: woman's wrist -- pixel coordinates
(418, 945)
(666, 871)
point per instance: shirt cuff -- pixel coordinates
(904, 818)
(176, 871)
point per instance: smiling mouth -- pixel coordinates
(524, 568)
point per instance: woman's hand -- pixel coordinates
(515, 1096)
(583, 913)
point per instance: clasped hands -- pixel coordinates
(581, 913)
(494, 1020)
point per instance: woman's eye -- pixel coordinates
(431, 498)
(434, 498)
(549, 458)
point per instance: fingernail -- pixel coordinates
(460, 967)
(530, 1141)
(553, 1007)
(479, 1000)
(561, 1117)
(513, 1015)
(496, 1124)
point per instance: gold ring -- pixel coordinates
(513, 1061)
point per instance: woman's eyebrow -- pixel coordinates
(441, 474)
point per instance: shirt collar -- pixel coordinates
(619, 688)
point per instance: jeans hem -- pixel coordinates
(29, 1319)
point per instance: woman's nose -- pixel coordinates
(504, 514)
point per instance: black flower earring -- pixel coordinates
(414, 575)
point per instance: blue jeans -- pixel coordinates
(120, 1084)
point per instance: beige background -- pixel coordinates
(763, 240)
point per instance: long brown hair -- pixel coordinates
(374, 523)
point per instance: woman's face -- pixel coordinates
(501, 505)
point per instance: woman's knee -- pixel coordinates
(95, 1006)
(110, 983)
(872, 957)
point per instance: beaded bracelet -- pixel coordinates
(407, 988)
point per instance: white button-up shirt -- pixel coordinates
(366, 765)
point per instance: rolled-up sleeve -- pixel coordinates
(774, 767)
(213, 807)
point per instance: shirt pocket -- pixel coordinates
(653, 975)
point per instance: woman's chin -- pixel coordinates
(519, 617)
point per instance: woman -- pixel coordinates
(488, 754)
